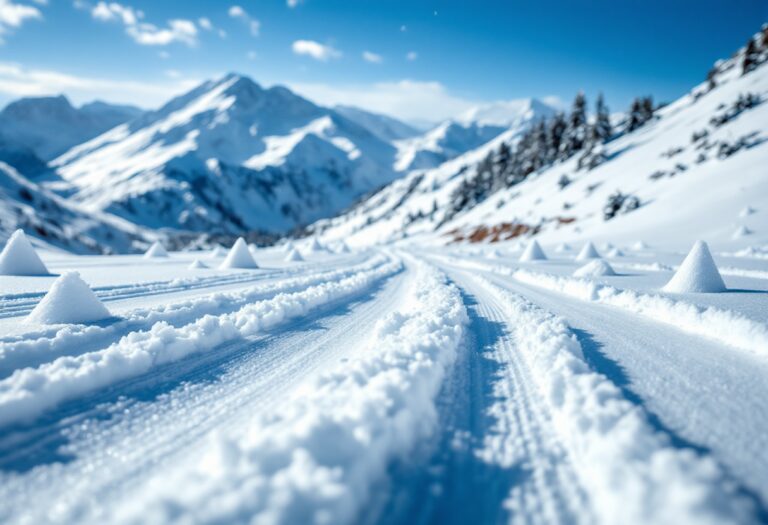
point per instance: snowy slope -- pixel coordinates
(51, 125)
(687, 185)
(468, 131)
(386, 128)
(58, 223)
(230, 156)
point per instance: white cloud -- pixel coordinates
(405, 99)
(238, 12)
(205, 23)
(178, 30)
(371, 57)
(315, 50)
(554, 101)
(292, 3)
(13, 15)
(411, 55)
(173, 73)
(18, 81)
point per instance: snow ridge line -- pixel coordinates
(724, 326)
(30, 391)
(32, 348)
(317, 459)
(631, 472)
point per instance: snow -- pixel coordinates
(19, 257)
(588, 252)
(595, 268)
(197, 264)
(70, 300)
(156, 251)
(697, 274)
(533, 252)
(294, 256)
(239, 256)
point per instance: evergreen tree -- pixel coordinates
(576, 132)
(751, 57)
(556, 131)
(601, 130)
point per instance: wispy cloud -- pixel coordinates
(18, 81)
(292, 3)
(371, 57)
(411, 55)
(144, 33)
(406, 99)
(13, 15)
(315, 50)
(253, 25)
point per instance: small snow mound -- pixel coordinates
(595, 268)
(494, 254)
(197, 264)
(20, 258)
(533, 252)
(294, 256)
(741, 231)
(239, 256)
(343, 248)
(639, 246)
(253, 248)
(563, 247)
(746, 212)
(217, 252)
(607, 246)
(70, 300)
(315, 246)
(697, 274)
(288, 247)
(156, 250)
(588, 252)
(614, 253)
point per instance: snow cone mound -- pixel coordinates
(288, 247)
(494, 254)
(155, 251)
(294, 256)
(20, 258)
(197, 264)
(217, 252)
(533, 252)
(70, 300)
(746, 212)
(239, 257)
(563, 247)
(697, 274)
(343, 248)
(615, 253)
(315, 246)
(741, 231)
(588, 252)
(595, 268)
(607, 246)
(639, 246)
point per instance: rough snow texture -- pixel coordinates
(596, 268)
(70, 300)
(30, 391)
(533, 252)
(725, 326)
(316, 460)
(697, 274)
(239, 256)
(635, 473)
(156, 251)
(20, 258)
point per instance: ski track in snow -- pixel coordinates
(372, 389)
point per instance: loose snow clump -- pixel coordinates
(533, 252)
(197, 264)
(20, 258)
(588, 252)
(294, 256)
(595, 268)
(239, 257)
(69, 300)
(156, 250)
(697, 274)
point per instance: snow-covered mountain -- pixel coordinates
(49, 126)
(230, 156)
(386, 128)
(59, 223)
(696, 169)
(468, 131)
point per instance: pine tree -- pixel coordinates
(602, 128)
(751, 56)
(646, 106)
(556, 131)
(576, 132)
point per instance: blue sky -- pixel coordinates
(418, 60)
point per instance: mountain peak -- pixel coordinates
(506, 112)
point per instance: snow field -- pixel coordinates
(30, 391)
(34, 348)
(632, 473)
(725, 326)
(316, 460)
